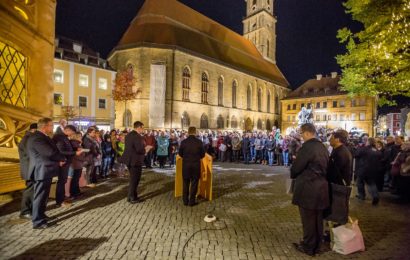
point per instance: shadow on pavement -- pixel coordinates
(62, 248)
(166, 187)
(11, 206)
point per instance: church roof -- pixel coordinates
(170, 23)
(326, 86)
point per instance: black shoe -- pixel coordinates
(42, 226)
(375, 201)
(25, 216)
(191, 204)
(301, 249)
(135, 201)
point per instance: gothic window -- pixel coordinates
(234, 122)
(259, 100)
(186, 77)
(267, 48)
(248, 98)
(204, 122)
(277, 105)
(220, 91)
(205, 84)
(269, 124)
(268, 103)
(13, 71)
(259, 124)
(220, 122)
(127, 118)
(185, 121)
(234, 87)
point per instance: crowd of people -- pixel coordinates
(98, 154)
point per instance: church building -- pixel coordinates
(193, 71)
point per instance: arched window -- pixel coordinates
(204, 122)
(259, 99)
(268, 102)
(268, 125)
(186, 78)
(220, 122)
(220, 91)
(249, 98)
(185, 121)
(234, 87)
(277, 105)
(205, 84)
(234, 122)
(259, 124)
(127, 118)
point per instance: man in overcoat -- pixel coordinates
(45, 161)
(27, 198)
(191, 151)
(311, 189)
(133, 157)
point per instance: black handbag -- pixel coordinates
(339, 203)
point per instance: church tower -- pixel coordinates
(259, 26)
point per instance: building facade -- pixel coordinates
(82, 86)
(26, 87)
(191, 70)
(393, 123)
(332, 107)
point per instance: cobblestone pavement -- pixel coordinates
(255, 221)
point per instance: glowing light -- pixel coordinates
(21, 12)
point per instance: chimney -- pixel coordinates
(319, 76)
(78, 48)
(334, 75)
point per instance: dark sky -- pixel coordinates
(306, 29)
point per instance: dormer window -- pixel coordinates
(77, 47)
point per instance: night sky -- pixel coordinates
(306, 29)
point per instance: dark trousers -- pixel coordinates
(312, 222)
(27, 198)
(106, 162)
(135, 176)
(62, 180)
(75, 182)
(148, 159)
(41, 192)
(371, 185)
(191, 173)
(236, 155)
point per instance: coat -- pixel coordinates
(44, 157)
(134, 152)
(340, 166)
(191, 151)
(311, 189)
(24, 158)
(369, 161)
(64, 146)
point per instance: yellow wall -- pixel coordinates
(369, 108)
(93, 92)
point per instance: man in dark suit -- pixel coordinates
(27, 198)
(133, 157)
(191, 151)
(45, 160)
(311, 189)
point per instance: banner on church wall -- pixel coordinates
(157, 96)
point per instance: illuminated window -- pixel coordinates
(102, 83)
(234, 87)
(58, 76)
(342, 103)
(220, 91)
(362, 116)
(317, 117)
(58, 99)
(205, 84)
(82, 101)
(342, 117)
(186, 78)
(13, 71)
(83, 80)
(334, 117)
(102, 103)
(353, 117)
